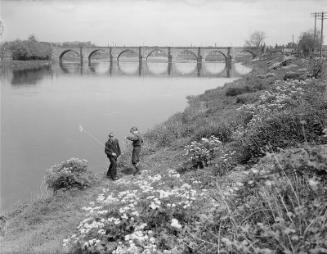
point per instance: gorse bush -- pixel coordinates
(220, 130)
(69, 174)
(251, 85)
(233, 91)
(282, 117)
(282, 130)
(279, 206)
(201, 153)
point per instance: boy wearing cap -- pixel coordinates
(112, 151)
(137, 143)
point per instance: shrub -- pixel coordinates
(283, 130)
(247, 98)
(275, 208)
(282, 117)
(233, 91)
(211, 128)
(201, 153)
(69, 174)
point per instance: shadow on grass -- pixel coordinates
(126, 170)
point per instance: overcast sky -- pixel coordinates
(158, 22)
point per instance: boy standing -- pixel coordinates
(137, 143)
(112, 151)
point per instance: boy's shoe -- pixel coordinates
(115, 178)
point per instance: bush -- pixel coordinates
(275, 208)
(201, 153)
(289, 113)
(247, 98)
(233, 91)
(285, 129)
(69, 174)
(210, 128)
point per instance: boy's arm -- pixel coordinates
(118, 148)
(132, 138)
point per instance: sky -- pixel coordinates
(158, 22)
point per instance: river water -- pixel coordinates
(43, 110)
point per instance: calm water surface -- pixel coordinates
(41, 112)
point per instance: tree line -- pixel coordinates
(306, 45)
(32, 49)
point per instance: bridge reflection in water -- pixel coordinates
(156, 68)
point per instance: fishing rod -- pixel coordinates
(96, 140)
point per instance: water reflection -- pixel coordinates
(186, 67)
(71, 67)
(157, 68)
(29, 77)
(100, 67)
(128, 68)
(242, 69)
(215, 67)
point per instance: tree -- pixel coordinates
(30, 49)
(256, 40)
(307, 42)
(32, 38)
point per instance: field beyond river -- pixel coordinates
(241, 170)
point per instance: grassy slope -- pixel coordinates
(41, 226)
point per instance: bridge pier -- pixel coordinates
(199, 62)
(110, 56)
(228, 62)
(170, 61)
(140, 61)
(81, 55)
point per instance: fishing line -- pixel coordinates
(95, 139)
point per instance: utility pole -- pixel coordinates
(322, 17)
(315, 15)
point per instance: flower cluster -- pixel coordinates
(132, 216)
(68, 174)
(281, 95)
(202, 152)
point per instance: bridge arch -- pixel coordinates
(65, 52)
(219, 52)
(93, 53)
(187, 51)
(125, 51)
(155, 50)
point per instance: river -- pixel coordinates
(42, 111)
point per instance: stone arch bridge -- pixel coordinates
(171, 54)
(198, 53)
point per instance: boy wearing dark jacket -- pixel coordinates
(112, 151)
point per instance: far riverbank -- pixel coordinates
(24, 65)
